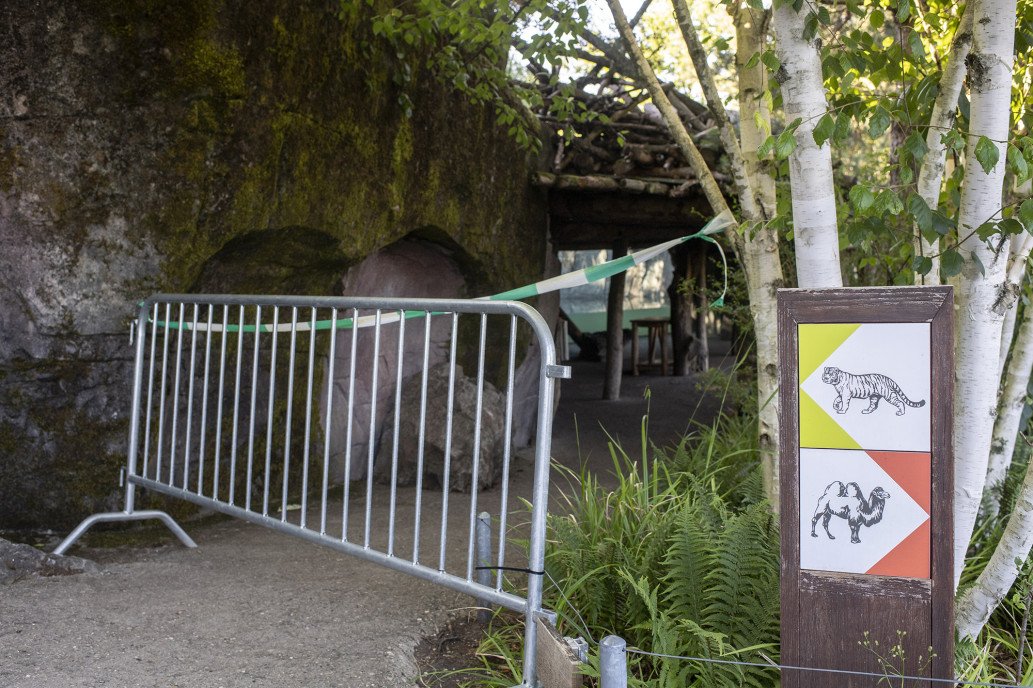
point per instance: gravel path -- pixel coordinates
(252, 607)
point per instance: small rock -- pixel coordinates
(18, 561)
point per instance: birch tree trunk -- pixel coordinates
(930, 176)
(975, 606)
(1020, 249)
(1009, 413)
(815, 233)
(982, 298)
(756, 189)
(760, 255)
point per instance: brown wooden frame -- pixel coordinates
(817, 602)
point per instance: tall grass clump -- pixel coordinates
(679, 558)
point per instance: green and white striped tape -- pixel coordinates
(587, 275)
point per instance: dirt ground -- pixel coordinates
(252, 607)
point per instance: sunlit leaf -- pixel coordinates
(987, 154)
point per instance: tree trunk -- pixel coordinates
(615, 330)
(815, 233)
(699, 316)
(930, 175)
(761, 260)
(979, 601)
(1020, 249)
(982, 297)
(1009, 413)
(681, 311)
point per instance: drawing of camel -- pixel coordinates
(846, 501)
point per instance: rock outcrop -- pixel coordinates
(464, 414)
(207, 145)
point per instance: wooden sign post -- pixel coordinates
(867, 484)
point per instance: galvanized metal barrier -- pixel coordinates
(218, 420)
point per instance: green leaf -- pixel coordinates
(1010, 226)
(922, 265)
(986, 230)
(1026, 213)
(903, 10)
(785, 144)
(888, 202)
(919, 210)
(767, 147)
(876, 19)
(951, 263)
(753, 61)
(861, 197)
(879, 122)
(979, 264)
(953, 140)
(770, 60)
(842, 131)
(824, 130)
(1017, 164)
(810, 26)
(987, 154)
(914, 145)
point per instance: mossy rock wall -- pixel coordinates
(140, 138)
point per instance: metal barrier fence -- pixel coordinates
(228, 412)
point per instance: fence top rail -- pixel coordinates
(429, 305)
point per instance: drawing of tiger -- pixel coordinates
(871, 386)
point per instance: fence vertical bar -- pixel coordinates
(308, 418)
(539, 502)
(190, 397)
(351, 417)
(218, 408)
(372, 427)
(507, 450)
(332, 357)
(422, 439)
(448, 441)
(484, 562)
(269, 412)
(290, 410)
(475, 472)
(236, 406)
(134, 420)
(150, 390)
(204, 400)
(254, 408)
(161, 393)
(398, 422)
(613, 662)
(175, 394)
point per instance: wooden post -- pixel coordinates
(867, 484)
(615, 329)
(700, 311)
(681, 310)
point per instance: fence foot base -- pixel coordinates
(124, 516)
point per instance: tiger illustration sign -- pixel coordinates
(866, 380)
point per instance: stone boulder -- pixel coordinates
(18, 561)
(493, 410)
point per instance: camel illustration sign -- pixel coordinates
(865, 473)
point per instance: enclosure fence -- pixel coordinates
(336, 420)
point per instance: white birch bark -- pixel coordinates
(1020, 248)
(981, 298)
(815, 233)
(930, 176)
(1009, 413)
(760, 255)
(975, 606)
